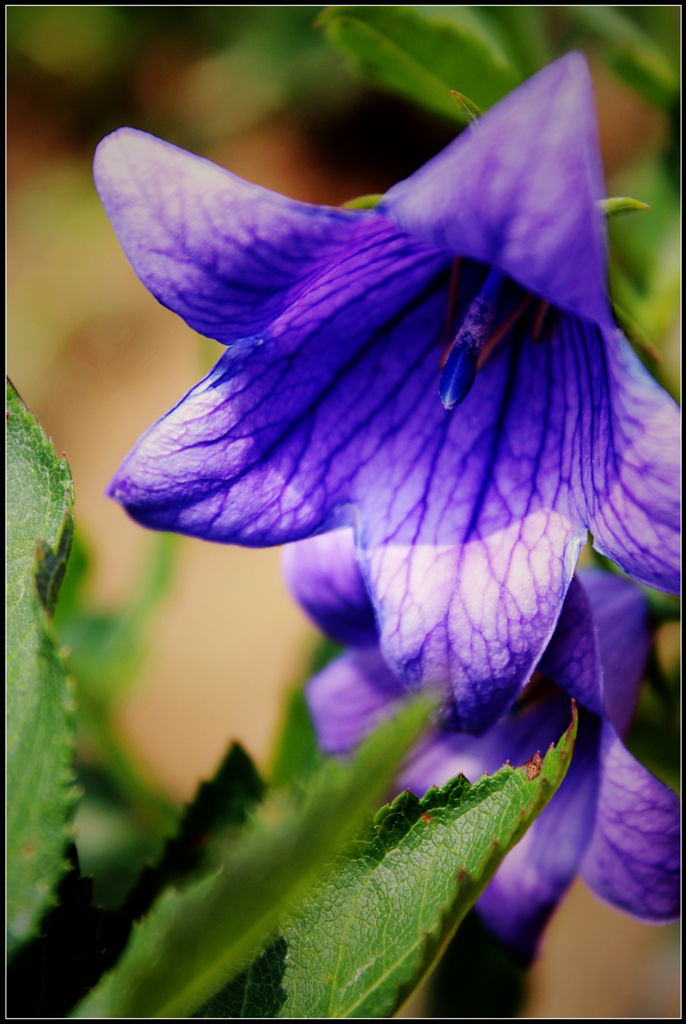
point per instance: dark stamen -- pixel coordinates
(452, 303)
(500, 332)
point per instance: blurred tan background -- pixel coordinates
(97, 359)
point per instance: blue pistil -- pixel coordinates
(458, 375)
(460, 367)
(477, 338)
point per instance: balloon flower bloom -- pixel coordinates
(441, 372)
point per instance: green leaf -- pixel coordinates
(79, 940)
(621, 204)
(105, 650)
(524, 33)
(220, 806)
(40, 741)
(632, 54)
(297, 755)
(107, 647)
(196, 940)
(359, 943)
(420, 57)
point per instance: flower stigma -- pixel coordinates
(478, 335)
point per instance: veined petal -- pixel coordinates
(599, 648)
(226, 255)
(468, 523)
(515, 737)
(517, 189)
(633, 858)
(466, 535)
(323, 576)
(534, 876)
(620, 615)
(267, 448)
(628, 464)
(349, 697)
(572, 658)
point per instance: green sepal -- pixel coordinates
(364, 202)
(469, 109)
(621, 204)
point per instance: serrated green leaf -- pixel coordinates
(196, 940)
(79, 941)
(220, 806)
(40, 788)
(359, 943)
(420, 57)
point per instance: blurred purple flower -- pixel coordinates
(481, 278)
(611, 821)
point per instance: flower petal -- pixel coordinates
(633, 858)
(226, 255)
(349, 697)
(535, 875)
(620, 615)
(518, 189)
(515, 737)
(267, 448)
(572, 658)
(467, 539)
(600, 646)
(323, 576)
(628, 491)
(468, 523)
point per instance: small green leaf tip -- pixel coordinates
(364, 202)
(469, 109)
(621, 204)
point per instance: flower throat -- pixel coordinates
(479, 333)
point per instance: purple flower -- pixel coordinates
(442, 373)
(611, 821)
